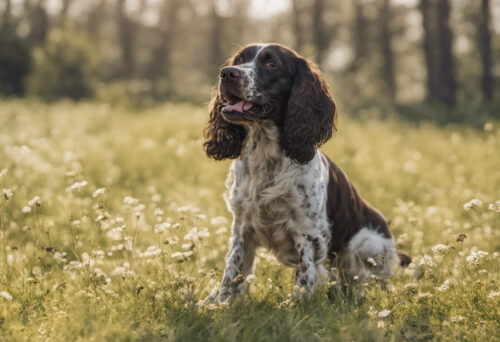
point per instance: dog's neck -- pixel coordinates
(261, 148)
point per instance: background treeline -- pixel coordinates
(405, 54)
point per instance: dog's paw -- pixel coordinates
(218, 296)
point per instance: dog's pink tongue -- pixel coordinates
(239, 106)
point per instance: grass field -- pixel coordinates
(113, 227)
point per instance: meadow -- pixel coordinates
(113, 228)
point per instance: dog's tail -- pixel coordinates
(404, 258)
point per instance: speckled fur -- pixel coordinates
(281, 205)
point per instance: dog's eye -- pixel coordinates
(270, 64)
(238, 60)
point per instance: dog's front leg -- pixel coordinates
(306, 272)
(239, 263)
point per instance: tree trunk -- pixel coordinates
(159, 67)
(63, 15)
(485, 50)
(318, 29)
(448, 85)
(7, 15)
(216, 59)
(126, 39)
(359, 40)
(297, 25)
(386, 47)
(38, 22)
(429, 47)
(94, 21)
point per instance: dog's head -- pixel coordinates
(270, 82)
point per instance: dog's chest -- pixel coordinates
(276, 200)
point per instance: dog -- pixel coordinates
(271, 112)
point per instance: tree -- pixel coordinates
(38, 20)
(126, 39)
(441, 84)
(386, 48)
(359, 36)
(297, 25)
(63, 14)
(64, 67)
(448, 85)
(318, 29)
(216, 58)
(95, 20)
(7, 16)
(158, 68)
(485, 50)
(15, 63)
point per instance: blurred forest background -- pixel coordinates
(403, 56)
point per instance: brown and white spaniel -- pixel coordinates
(271, 113)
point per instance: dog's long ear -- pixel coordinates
(223, 140)
(310, 116)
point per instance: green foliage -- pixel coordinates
(15, 63)
(131, 262)
(64, 67)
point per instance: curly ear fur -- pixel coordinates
(223, 139)
(310, 116)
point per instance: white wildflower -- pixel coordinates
(475, 257)
(158, 212)
(5, 295)
(119, 270)
(139, 207)
(129, 200)
(76, 186)
(218, 221)
(493, 294)
(151, 251)
(457, 318)
(7, 194)
(444, 287)
(188, 245)
(384, 313)
(427, 261)
(440, 249)
(403, 238)
(221, 230)
(160, 228)
(203, 233)
(60, 257)
(34, 201)
(494, 207)
(99, 192)
(473, 203)
(26, 209)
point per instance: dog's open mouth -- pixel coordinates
(237, 105)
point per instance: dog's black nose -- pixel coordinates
(230, 72)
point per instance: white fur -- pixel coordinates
(249, 71)
(372, 250)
